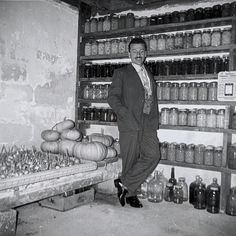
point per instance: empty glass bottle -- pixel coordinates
(172, 178)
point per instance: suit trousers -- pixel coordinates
(140, 155)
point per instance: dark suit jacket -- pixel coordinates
(126, 98)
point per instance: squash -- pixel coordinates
(51, 147)
(92, 151)
(66, 147)
(111, 152)
(65, 124)
(71, 134)
(101, 137)
(50, 135)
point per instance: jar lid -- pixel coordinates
(203, 84)
(213, 84)
(178, 187)
(211, 111)
(219, 148)
(190, 146)
(206, 31)
(193, 84)
(221, 111)
(226, 5)
(201, 111)
(216, 30)
(188, 32)
(199, 9)
(181, 179)
(169, 185)
(197, 31)
(159, 84)
(173, 109)
(193, 110)
(175, 85)
(182, 145)
(209, 147)
(165, 109)
(227, 28)
(184, 84)
(94, 19)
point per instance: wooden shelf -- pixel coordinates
(96, 79)
(97, 122)
(91, 101)
(163, 28)
(159, 53)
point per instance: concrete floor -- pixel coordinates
(105, 217)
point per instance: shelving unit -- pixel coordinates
(167, 28)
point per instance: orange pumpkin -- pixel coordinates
(66, 147)
(111, 152)
(50, 135)
(65, 124)
(71, 134)
(51, 147)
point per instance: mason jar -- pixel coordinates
(101, 48)
(220, 118)
(108, 47)
(170, 42)
(122, 21)
(136, 21)
(192, 118)
(206, 38)
(171, 151)
(161, 42)
(201, 118)
(202, 91)
(183, 91)
(182, 117)
(106, 23)
(166, 91)
(180, 152)
(163, 150)
(226, 36)
(192, 91)
(93, 25)
(211, 118)
(122, 46)
(173, 116)
(216, 37)
(153, 43)
(189, 153)
(94, 48)
(114, 22)
(114, 46)
(143, 21)
(199, 154)
(165, 112)
(87, 26)
(159, 90)
(130, 20)
(100, 24)
(209, 155)
(212, 91)
(174, 91)
(179, 41)
(197, 38)
(88, 49)
(218, 156)
(188, 39)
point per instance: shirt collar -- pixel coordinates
(137, 67)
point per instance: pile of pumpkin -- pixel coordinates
(65, 139)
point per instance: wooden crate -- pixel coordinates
(68, 201)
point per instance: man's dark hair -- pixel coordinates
(137, 41)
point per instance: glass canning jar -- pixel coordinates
(114, 22)
(197, 38)
(107, 23)
(122, 21)
(179, 41)
(180, 151)
(189, 153)
(169, 192)
(208, 12)
(182, 182)
(93, 25)
(206, 38)
(217, 11)
(199, 154)
(188, 39)
(114, 46)
(218, 156)
(231, 157)
(86, 92)
(163, 150)
(233, 8)
(171, 151)
(226, 36)
(182, 117)
(175, 17)
(212, 91)
(153, 43)
(108, 47)
(192, 117)
(136, 22)
(190, 15)
(122, 46)
(174, 91)
(220, 118)
(143, 21)
(226, 10)
(183, 91)
(161, 42)
(198, 13)
(165, 112)
(87, 26)
(178, 194)
(173, 116)
(94, 48)
(231, 202)
(101, 48)
(88, 49)
(159, 90)
(216, 37)
(100, 24)
(153, 20)
(182, 16)
(209, 155)
(201, 118)
(200, 196)
(130, 20)
(99, 92)
(211, 118)
(170, 42)
(202, 91)
(192, 91)
(166, 91)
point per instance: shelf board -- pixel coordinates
(188, 165)
(96, 79)
(229, 171)
(187, 77)
(97, 122)
(163, 28)
(91, 101)
(200, 50)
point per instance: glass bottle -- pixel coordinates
(202, 91)
(192, 118)
(192, 187)
(209, 155)
(178, 194)
(114, 22)
(226, 36)
(155, 189)
(218, 156)
(181, 182)
(199, 154)
(172, 178)
(213, 200)
(169, 192)
(192, 91)
(163, 150)
(216, 37)
(182, 117)
(173, 116)
(206, 38)
(180, 151)
(170, 42)
(174, 91)
(188, 39)
(87, 26)
(197, 38)
(211, 118)
(220, 118)
(189, 153)
(183, 91)
(143, 191)
(232, 157)
(107, 23)
(212, 91)
(165, 116)
(159, 90)
(200, 196)
(231, 202)
(171, 151)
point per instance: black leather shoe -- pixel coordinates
(134, 202)
(121, 191)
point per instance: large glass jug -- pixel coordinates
(213, 197)
(231, 202)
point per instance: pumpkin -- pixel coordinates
(50, 135)
(51, 147)
(66, 147)
(111, 152)
(65, 124)
(92, 151)
(71, 134)
(101, 137)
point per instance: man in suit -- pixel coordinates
(132, 95)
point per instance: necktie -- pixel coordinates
(145, 81)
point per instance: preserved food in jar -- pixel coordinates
(178, 194)
(122, 46)
(182, 16)
(216, 38)
(86, 92)
(174, 91)
(153, 43)
(192, 91)
(233, 8)
(183, 91)
(143, 21)
(200, 196)
(197, 38)
(136, 22)
(114, 22)
(199, 154)
(190, 15)
(114, 46)
(188, 39)
(94, 48)
(213, 199)
(208, 12)
(169, 192)
(161, 42)
(93, 25)
(159, 90)
(189, 153)
(198, 14)
(211, 118)
(101, 48)
(171, 151)
(183, 184)
(232, 156)
(100, 24)
(106, 24)
(179, 41)
(182, 117)
(212, 91)
(192, 117)
(202, 91)
(201, 118)
(218, 156)
(87, 26)
(170, 42)
(220, 119)
(165, 116)
(108, 47)
(163, 150)
(153, 20)
(226, 36)
(122, 21)
(173, 116)
(175, 17)
(226, 10)
(216, 11)
(166, 91)
(206, 38)
(130, 20)
(209, 156)
(180, 151)
(231, 202)
(99, 92)
(88, 49)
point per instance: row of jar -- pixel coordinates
(192, 154)
(96, 91)
(187, 91)
(129, 20)
(210, 118)
(98, 114)
(180, 40)
(185, 66)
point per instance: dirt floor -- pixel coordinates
(105, 217)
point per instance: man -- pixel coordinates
(132, 95)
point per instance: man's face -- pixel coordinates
(137, 53)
